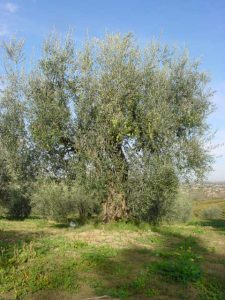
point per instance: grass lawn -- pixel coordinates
(46, 260)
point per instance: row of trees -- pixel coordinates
(109, 129)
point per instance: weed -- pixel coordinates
(211, 289)
(120, 292)
(181, 265)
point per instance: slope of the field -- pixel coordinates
(45, 260)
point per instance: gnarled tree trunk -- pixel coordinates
(114, 207)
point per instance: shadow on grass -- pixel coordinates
(14, 237)
(60, 225)
(12, 241)
(66, 225)
(216, 223)
(175, 270)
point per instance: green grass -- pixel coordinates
(181, 265)
(42, 260)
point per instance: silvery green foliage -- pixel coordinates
(12, 123)
(212, 213)
(152, 190)
(13, 195)
(49, 99)
(16, 156)
(52, 200)
(61, 201)
(181, 209)
(141, 124)
(7, 175)
(126, 124)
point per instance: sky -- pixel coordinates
(196, 24)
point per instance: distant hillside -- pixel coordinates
(208, 190)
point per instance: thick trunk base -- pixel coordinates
(114, 208)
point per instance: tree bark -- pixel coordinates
(115, 207)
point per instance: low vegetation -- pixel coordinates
(40, 259)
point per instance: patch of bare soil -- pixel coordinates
(121, 239)
(83, 293)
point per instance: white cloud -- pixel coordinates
(10, 7)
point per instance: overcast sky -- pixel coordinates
(196, 24)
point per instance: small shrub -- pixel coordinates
(52, 200)
(211, 288)
(181, 210)
(17, 204)
(140, 283)
(60, 201)
(212, 213)
(152, 191)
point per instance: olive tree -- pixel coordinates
(50, 91)
(140, 124)
(15, 149)
(125, 125)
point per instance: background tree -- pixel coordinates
(16, 157)
(50, 93)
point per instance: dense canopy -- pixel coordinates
(109, 129)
